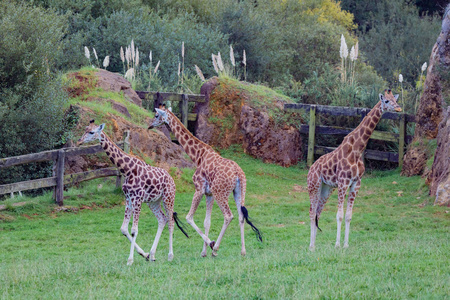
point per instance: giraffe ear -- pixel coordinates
(101, 127)
(396, 97)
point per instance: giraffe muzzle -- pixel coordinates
(151, 127)
(398, 109)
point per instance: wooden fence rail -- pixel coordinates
(312, 129)
(183, 99)
(58, 180)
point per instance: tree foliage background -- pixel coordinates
(291, 45)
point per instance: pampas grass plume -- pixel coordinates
(157, 66)
(137, 57)
(132, 50)
(215, 63)
(233, 62)
(199, 73)
(106, 62)
(424, 66)
(129, 74)
(122, 55)
(182, 49)
(87, 53)
(219, 62)
(343, 51)
(95, 54)
(128, 55)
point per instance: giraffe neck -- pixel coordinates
(194, 148)
(360, 136)
(115, 154)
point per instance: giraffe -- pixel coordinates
(343, 169)
(143, 183)
(215, 177)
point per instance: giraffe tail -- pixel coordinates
(317, 223)
(257, 232)
(180, 224)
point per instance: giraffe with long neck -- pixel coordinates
(143, 183)
(343, 169)
(215, 177)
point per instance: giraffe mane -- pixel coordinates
(121, 151)
(188, 132)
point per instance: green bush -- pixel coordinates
(31, 96)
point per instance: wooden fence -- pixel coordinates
(183, 99)
(58, 180)
(312, 129)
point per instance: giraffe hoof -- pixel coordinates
(312, 248)
(203, 254)
(214, 253)
(130, 262)
(212, 244)
(170, 257)
(243, 253)
(147, 258)
(345, 246)
(337, 246)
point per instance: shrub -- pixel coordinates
(31, 96)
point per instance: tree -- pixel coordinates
(31, 97)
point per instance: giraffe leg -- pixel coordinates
(237, 198)
(168, 206)
(190, 217)
(222, 201)
(155, 207)
(134, 229)
(124, 229)
(342, 191)
(348, 214)
(314, 192)
(207, 223)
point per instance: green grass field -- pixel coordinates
(399, 245)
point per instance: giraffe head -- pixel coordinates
(389, 102)
(161, 117)
(92, 133)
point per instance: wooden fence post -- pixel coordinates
(157, 100)
(401, 139)
(126, 149)
(184, 110)
(311, 135)
(60, 177)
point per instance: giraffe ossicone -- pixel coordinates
(215, 177)
(143, 184)
(343, 169)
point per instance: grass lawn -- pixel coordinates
(399, 244)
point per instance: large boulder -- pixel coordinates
(432, 102)
(236, 113)
(109, 81)
(439, 177)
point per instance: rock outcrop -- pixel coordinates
(234, 114)
(152, 144)
(109, 81)
(432, 102)
(439, 177)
